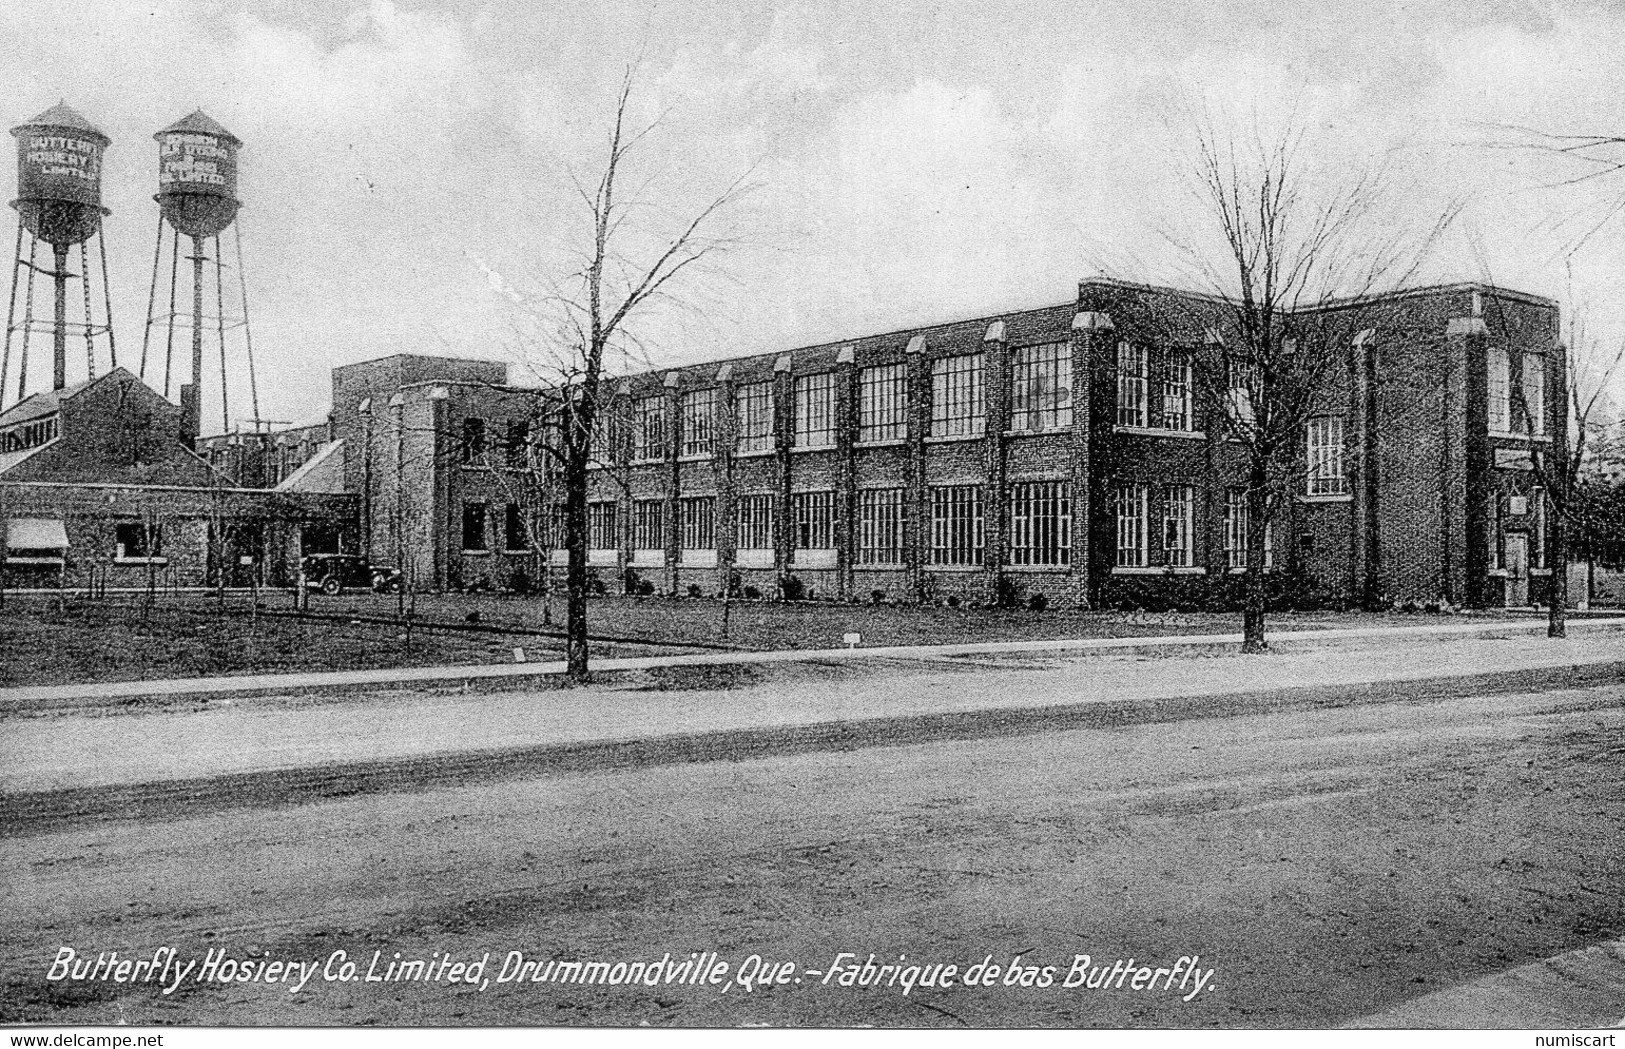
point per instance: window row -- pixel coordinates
(1156, 527)
(1040, 529)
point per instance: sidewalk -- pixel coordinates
(290, 730)
(1581, 990)
(517, 674)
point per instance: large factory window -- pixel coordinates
(1237, 521)
(1132, 368)
(474, 541)
(1498, 370)
(815, 520)
(649, 429)
(754, 406)
(755, 523)
(956, 525)
(649, 524)
(1176, 392)
(957, 404)
(1534, 395)
(1133, 510)
(1040, 524)
(1325, 440)
(815, 410)
(881, 404)
(1177, 533)
(699, 409)
(1041, 387)
(697, 516)
(880, 526)
(601, 530)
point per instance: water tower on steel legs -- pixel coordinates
(197, 199)
(59, 203)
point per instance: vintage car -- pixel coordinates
(335, 573)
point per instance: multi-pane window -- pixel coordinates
(473, 447)
(880, 526)
(1177, 513)
(753, 406)
(649, 524)
(604, 434)
(1534, 394)
(755, 530)
(815, 410)
(957, 405)
(1132, 369)
(474, 527)
(1237, 520)
(815, 520)
(1040, 523)
(1133, 508)
(956, 525)
(1041, 387)
(697, 516)
(1242, 380)
(1325, 440)
(649, 428)
(515, 531)
(699, 415)
(882, 406)
(1499, 380)
(1175, 411)
(601, 531)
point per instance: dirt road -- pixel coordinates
(1321, 863)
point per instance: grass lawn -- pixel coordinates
(769, 625)
(121, 638)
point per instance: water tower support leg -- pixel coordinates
(59, 347)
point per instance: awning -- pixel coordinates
(36, 533)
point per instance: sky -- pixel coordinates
(409, 168)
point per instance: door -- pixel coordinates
(1517, 546)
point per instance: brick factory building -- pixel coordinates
(1061, 451)
(98, 491)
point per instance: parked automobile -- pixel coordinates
(334, 573)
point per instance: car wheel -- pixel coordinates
(331, 586)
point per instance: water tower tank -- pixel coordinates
(59, 176)
(197, 175)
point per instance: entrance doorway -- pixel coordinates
(1517, 560)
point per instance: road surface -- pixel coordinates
(1319, 864)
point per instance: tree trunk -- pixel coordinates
(1557, 560)
(575, 538)
(1252, 609)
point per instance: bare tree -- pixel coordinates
(1297, 270)
(636, 256)
(1573, 489)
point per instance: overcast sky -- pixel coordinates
(406, 175)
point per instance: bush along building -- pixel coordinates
(1060, 456)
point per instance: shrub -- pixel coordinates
(791, 588)
(1006, 595)
(877, 597)
(753, 593)
(646, 588)
(693, 590)
(953, 600)
(1037, 603)
(630, 581)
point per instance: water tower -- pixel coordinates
(197, 199)
(59, 202)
